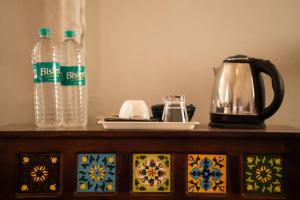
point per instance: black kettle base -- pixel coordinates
(237, 125)
(236, 121)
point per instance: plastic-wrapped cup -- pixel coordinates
(134, 109)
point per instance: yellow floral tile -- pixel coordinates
(264, 174)
(151, 173)
(38, 173)
(207, 173)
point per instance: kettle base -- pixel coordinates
(236, 121)
(237, 125)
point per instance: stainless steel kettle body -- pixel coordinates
(238, 97)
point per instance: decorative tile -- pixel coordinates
(264, 174)
(207, 173)
(151, 173)
(96, 172)
(38, 173)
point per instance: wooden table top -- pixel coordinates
(97, 131)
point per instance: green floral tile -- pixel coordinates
(38, 173)
(264, 174)
(96, 172)
(207, 173)
(151, 173)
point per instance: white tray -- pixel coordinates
(149, 125)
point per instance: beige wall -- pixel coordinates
(19, 24)
(146, 49)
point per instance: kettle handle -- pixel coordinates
(268, 68)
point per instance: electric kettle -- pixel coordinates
(238, 96)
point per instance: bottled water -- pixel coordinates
(73, 82)
(47, 86)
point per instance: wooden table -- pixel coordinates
(20, 145)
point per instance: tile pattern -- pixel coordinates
(96, 172)
(264, 174)
(151, 173)
(207, 173)
(38, 173)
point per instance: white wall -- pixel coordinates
(146, 49)
(19, 23)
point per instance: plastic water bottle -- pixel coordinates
(47, 86)
(73, 79)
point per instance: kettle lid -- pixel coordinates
(239, 59)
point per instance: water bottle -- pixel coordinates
(73, 79)
(47, 86)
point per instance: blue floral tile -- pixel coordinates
(207, 173)
(264, 174)
(38, 173)
(96, 172)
